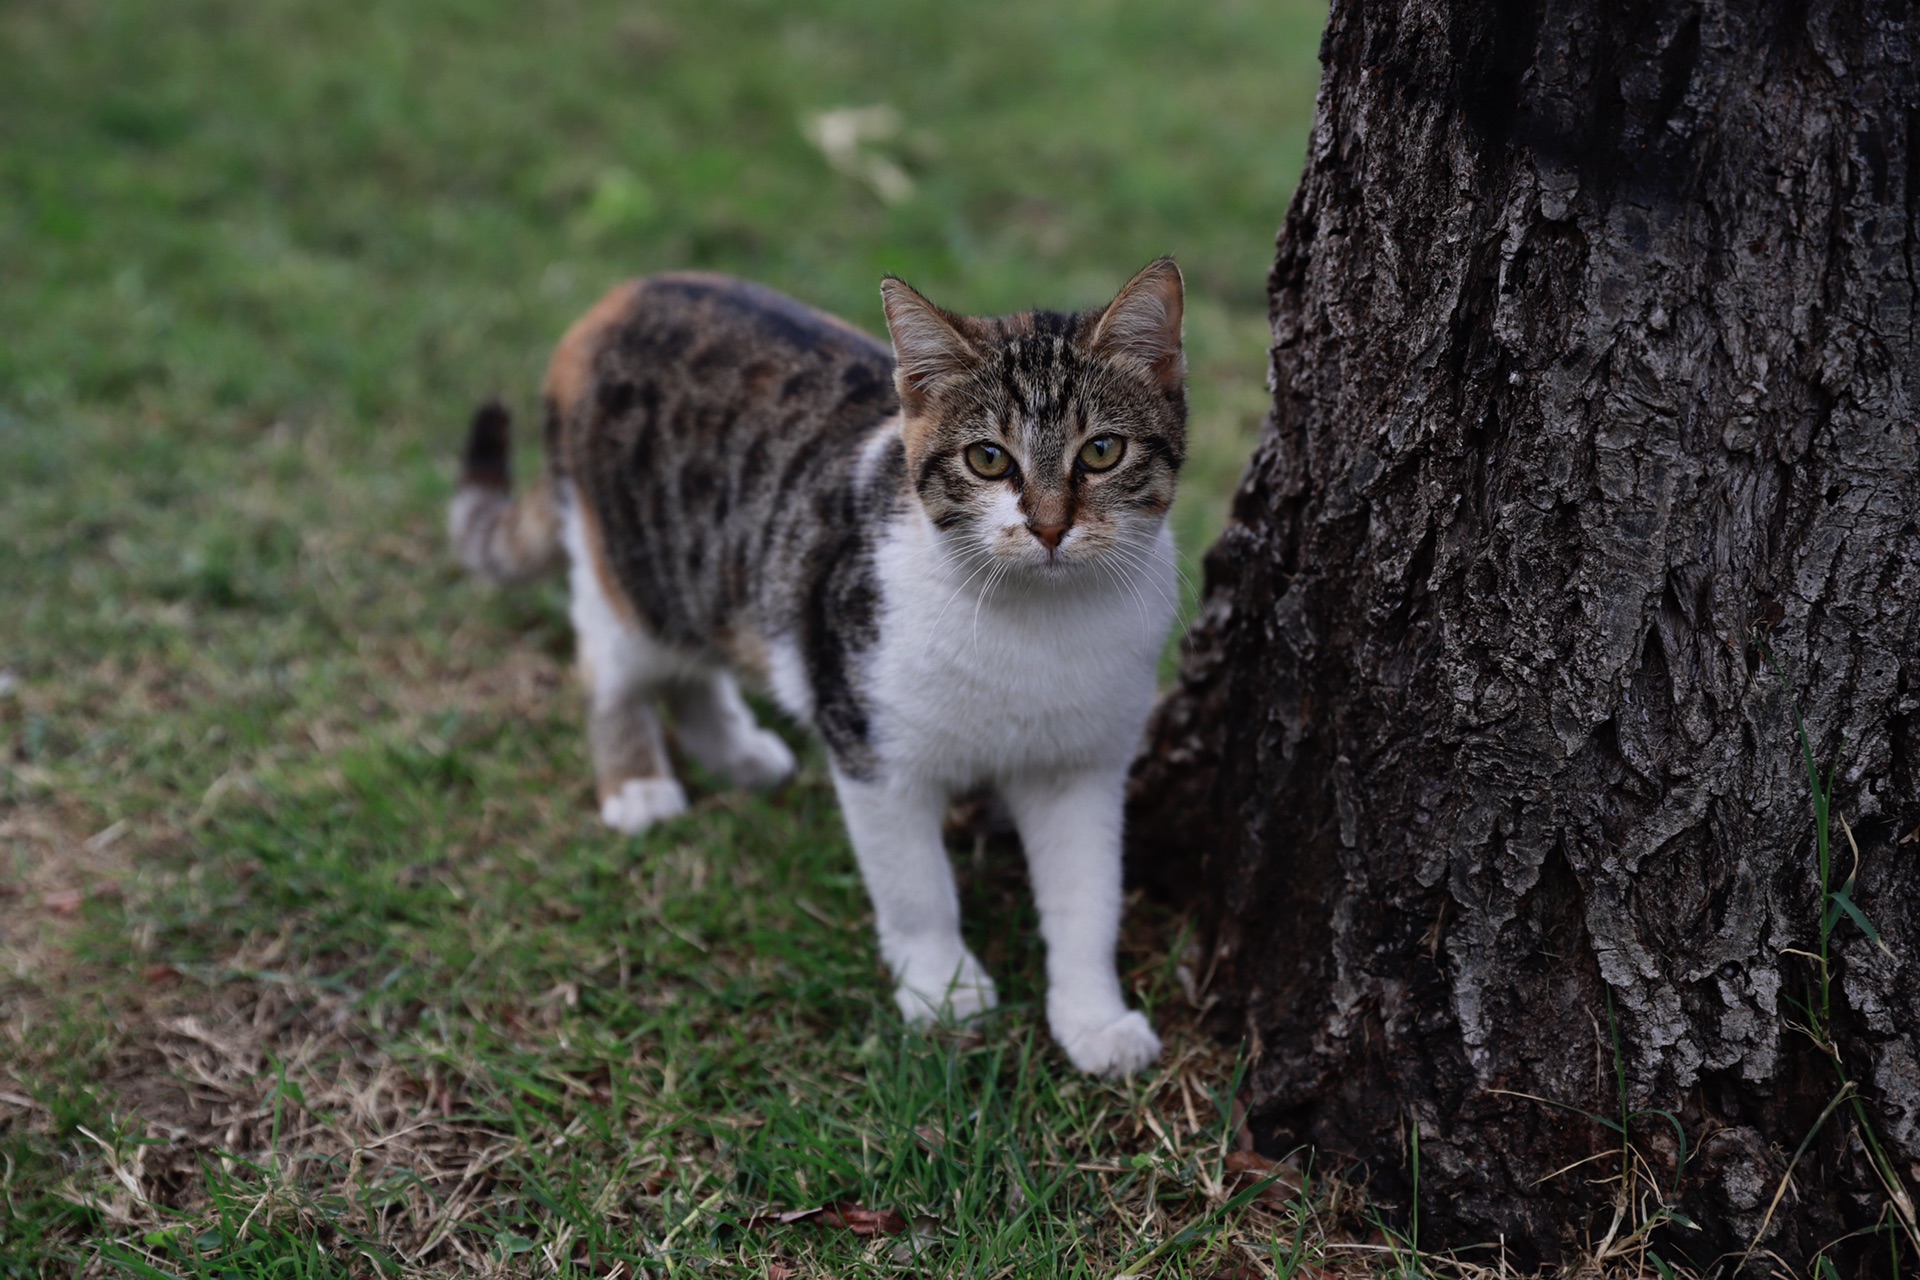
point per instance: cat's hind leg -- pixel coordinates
(623, 669)
(636, 785)
(715, 723)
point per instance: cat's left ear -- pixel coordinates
(927, 343)
(1141, 326)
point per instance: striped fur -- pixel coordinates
(748, 487)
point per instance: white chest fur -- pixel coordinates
(980, 679)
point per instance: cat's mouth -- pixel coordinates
(1072, 552)
(1017, 550)
(1046, 550)
(1052, 554)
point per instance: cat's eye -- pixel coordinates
(1101, 452)
(989, 461)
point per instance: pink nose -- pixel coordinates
(1050, 534)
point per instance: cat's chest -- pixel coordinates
(971, 690)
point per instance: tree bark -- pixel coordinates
(1594, 446)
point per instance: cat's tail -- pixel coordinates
(499, 537)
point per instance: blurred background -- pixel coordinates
(223, 219)
(272, 768)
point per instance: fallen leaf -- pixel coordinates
(848, 1217)
(780, 1271)
(923, 1232)
(64, 902)
(846, 137)
(864, 1222)
(1249, 1162)
(159, 973)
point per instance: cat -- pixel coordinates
(951, 558)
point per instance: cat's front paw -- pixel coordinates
(953, 991)
(641, 802)
(1118, 1048)
(763, 761)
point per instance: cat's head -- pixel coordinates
(1044, 440)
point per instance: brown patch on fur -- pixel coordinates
(624, 738)
(1049, 508)
(570, 370)
(920, 435)
(746, 652)
(596, 543)
(534, 530)
(508, 539)
(626, 743)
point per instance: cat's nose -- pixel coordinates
(1049, 534)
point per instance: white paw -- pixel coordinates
(641, 802)
(953, 990)
(1118, 1048)
(761, 761)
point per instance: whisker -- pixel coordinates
(1146, 546)
(985, 591)
(1119, 577)
(986, 562)
(1138, 567)
(1142, 567)
(1140, 600)
(1147, 543)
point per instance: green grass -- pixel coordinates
(313, 957)
(1898, 1218)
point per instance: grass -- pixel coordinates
(313, 958)
(1898, 1218)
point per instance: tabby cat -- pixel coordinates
(950, 558)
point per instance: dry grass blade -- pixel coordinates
(1786, 1177)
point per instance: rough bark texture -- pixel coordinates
(1594, 372)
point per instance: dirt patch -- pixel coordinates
(277, 1079)
(55, 861)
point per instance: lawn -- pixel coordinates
(314, 959)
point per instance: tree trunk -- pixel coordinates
(1593, 450)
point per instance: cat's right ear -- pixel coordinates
(927, 344)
